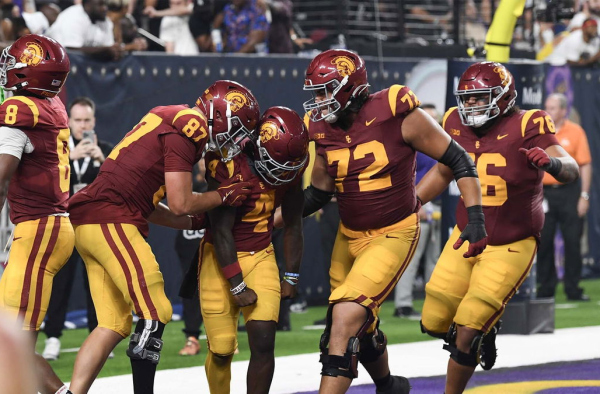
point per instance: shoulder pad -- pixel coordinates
(19, 111)
(402, 100)
(217, 169)
(191, 123)
(536, 121)
(306, 121)
(447, 115)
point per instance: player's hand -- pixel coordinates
(287, 290)
(537, 156)
(245, 298)
(474, 232)
(234, 193)
(81, 150)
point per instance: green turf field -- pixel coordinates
(299, 340)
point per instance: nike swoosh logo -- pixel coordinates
(513, 251)
(502, 136)
(368, 123)
(389, 236)
(15, 238)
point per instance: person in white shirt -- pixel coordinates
(40, 21)
(85, 27)
(175, 31)
(591, 9)
(579, 48)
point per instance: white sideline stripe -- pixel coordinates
(301, 373)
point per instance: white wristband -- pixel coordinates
(238, 289)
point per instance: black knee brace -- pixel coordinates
(145, 342)
(467, 359)
(347, 364)
(372, 346)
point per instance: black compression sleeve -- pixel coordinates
(314, 199)
(459, 161)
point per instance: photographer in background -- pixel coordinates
(86, 156)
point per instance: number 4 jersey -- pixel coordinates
(511, 187)
(40, 186)
(131, 182)
(254, 218)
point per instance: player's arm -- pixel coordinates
(316, 195)
(222, 220)
(8, 166)
(426, 136)
(293, 239)
(13, 143)
(321, 189)
(542, 149)
(163, 216)
(555, 161)
(434, 182)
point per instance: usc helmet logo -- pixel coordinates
(268, 131)
(344, 65)
(236, 99)
(501, 71)
(32, 55)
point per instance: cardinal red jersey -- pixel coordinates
(40, 186)
(373, 167)
(131, 181)
(511, 187)
(254, 218)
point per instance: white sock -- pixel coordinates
(63, 390)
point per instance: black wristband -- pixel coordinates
(554, 167)
(475, 214)
(314, 199)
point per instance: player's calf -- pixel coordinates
(144, 349)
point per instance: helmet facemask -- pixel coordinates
(274, 172)
(478, 115)
(328, 90)
(228, 143)
(8, 62)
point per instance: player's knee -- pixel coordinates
(223, 345)
(470, 357)
(345, 365)
(436, 334)
(146, 343)
(372, 346)
(165, 313)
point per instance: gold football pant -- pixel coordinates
(473, 292)
(366, 265)
(123, 275)
(39, 250)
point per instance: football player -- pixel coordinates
(111, 216)
(512, 149)
(238, 270)
(366, 147)
(34, 176)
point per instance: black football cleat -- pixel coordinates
(487, 351)
(399, 385)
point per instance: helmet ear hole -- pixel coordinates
(19, 75)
